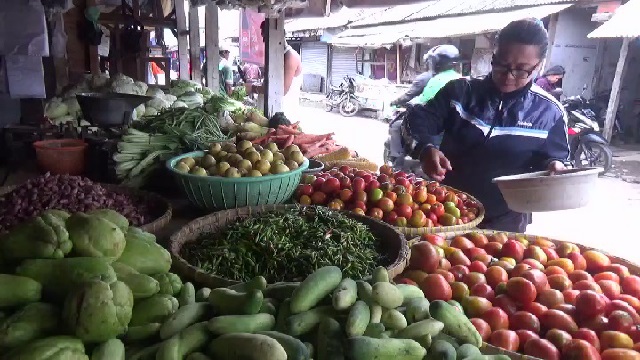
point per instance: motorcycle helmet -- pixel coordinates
(442, 57)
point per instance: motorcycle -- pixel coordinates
(410, 161)
(587, 146)
(343, 97)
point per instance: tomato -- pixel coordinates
(318, 198)
(524, 336)
(305, 200)
(404, 211)
(390, 217)
(436, 287)
(505, 339)
(305, 189)
(433, 217)
(589, 336)
(371, 185)
(402, 181)
(451, 197)
(375, 195)
(401, 221)
(345, 195)
(483, 328)
(542, 349)
(335, 204)
(375, 213)
(367, 178)
(431, 199)
(589, 304)
(391, 196)
(523, 320)
(556, 319)
(358, 211)
(360, 196)
(620, 354)
(521, 290)
(385, 204)
(404, 199)
(437, 209)
(360, 205)
(577, 349)
(558, 337)
(420, 195)
(535, 308)
(317, 183)
(440, 194)
(357, 184)
(418, 219)
(330, 186)
(496, 318)
(386, 169)
(383, 178)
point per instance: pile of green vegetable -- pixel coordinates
(286, 246)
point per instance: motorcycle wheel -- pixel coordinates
(348, 107)
(592, 154)
(328, 107)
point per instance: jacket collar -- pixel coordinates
(506, 97)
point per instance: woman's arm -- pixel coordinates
(291, 65)
(556, 146)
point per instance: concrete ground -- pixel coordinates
(611, 221)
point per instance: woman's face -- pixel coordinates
(554, 78)
(513, 66)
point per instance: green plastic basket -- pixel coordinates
(220, 193)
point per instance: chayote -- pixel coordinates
(113, 216)
(145, 256)
(33, 321)
(98, 311)
(51, 348)
(36, 239)
(170, 283)
(95, 236)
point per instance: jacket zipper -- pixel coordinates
(493, 125)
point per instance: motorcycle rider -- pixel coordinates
(441, 61)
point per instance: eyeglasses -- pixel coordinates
(516, 73)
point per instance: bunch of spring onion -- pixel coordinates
(158, 138)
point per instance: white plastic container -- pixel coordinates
(540, 191)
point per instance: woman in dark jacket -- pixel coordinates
(496, 126)
(551, 80)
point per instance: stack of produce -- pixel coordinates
(397, 198)
(242, 159)
(64, 192)
(93, 285)
(311, 145)
(343, 157)
(533, 296)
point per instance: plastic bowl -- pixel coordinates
(220, 193)
(540, 191)
(315, 166)
(62, 157)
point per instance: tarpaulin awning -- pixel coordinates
(440, 28)
(623, 24)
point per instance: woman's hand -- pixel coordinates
(556, 166)
(435, 164)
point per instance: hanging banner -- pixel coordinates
(251, 42)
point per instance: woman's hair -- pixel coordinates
(526, 32)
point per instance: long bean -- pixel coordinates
(286, 246)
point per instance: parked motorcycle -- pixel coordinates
(587, 146)
(343, 97)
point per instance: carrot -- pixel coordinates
(288, 141)
(282, 129)
(261, 139)
(311, 147)
(310, 139)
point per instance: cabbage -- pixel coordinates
(99, 81)
(158, 103)
(150, 111)
(138, 111)
(178, 104)
(56, 108)
(170, 98)
(192, 99)
(155, 92)
(178, 91)
(73, 108)
(142, 87)
(206, 93)
(63, 120)
(179, 83)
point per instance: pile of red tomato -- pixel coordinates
(398, 198)
(534, 297)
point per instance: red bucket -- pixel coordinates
(61, 157)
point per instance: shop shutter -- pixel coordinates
(314, 65)
(343, 62)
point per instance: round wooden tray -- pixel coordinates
(159, 207)
(393, 242)
(409, 231)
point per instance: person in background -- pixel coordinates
(252, 74)
(417, 86)
(225, 70)
(156, 71)
(496, 126)
(551, 80)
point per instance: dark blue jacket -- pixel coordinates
(489, 134)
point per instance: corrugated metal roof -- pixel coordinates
(335, 20)
(440, 8)
(624, 23)
(439, 28)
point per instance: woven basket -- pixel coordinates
(159, 207)
(393, 243)
(410, 232)
(488, 349)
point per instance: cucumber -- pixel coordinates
(280, 291)
(283, 314)
(466, 351)
(232, 324)
(329, 340)
(246, 347)
(185, 316)
(309, 347)
(202, 295)
(295, 349)
(257, 283)
(314, 288)
(455, 323)
(191, 339)
(148, 353)
(142, 332)
(441, 350)
(380, 274)
(374, 330)
(197, 356)
(417, 310)
(229, 302)
(387, 295)
(488, 357)
(451, 340)
(345, 294)
(376, 313)
(142, 286)
(393, 319)
(364, 291)
(302, 323)
(268, 307)
(366, 348)
(421, 328)
(187, 294)
(112, 349)
(358, 319)
(410, 292)
(425, 341)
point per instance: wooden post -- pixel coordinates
(211, 45)
(614, 99)
(398, 65)
(274, 64)
(553, 26)
(194, 44)
(183, 41)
